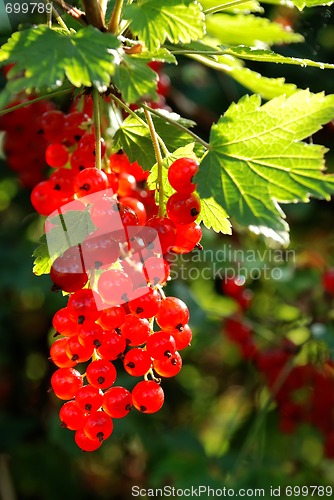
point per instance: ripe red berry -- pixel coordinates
(168, 367)
(181, 173)
(156, 270)
(135, 330)
(99, 250)
(187, 237)
(160, 345)
(117, 402)
(182, 337)
(146, 305)
(137, 362)
(78, 352)
(183, 208)
(113, 345)
(71, 416)
(126, 184)
(112, 318)
(173, 313)
(137, 206)
(85, 443)
(147, 396)
(66, 382)
(114, 286)
(67, 271)
(328, 281)
(59, 355)
(82, 306)
(166, 231)
(101, 373)
(56, 155)
(90, 180)
(63, 324)
(89, 398)
(98, 425)
(52, 125)
(91, 335)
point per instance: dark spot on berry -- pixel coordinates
(75, 357)
(85, 187)
(100, 436)
(77, 138)
(81, 319)
(98, 264)
(120, 152)
(128, 342)
(88, 407)
(56, 187)
(139, 310)
(100, 380)
(174, 361)
(194, 212)
(81, 168)
(167, 354)
(142, 408)
(179, 327)
(128, 407)
(118, 331)
(97, 343)
(131, 364)
(40, 131)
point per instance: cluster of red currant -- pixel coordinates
(303, 393)
(23, 127)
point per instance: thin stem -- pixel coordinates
(159, 161)
(49, 15)
(74, 12)
(97, 128)
(177, 125)
(94, 14)
(115, 17)
(32, 101)
(223, 6)
(59, 19)
(140, 120)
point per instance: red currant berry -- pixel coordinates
(328, 281)
(82, 306)
(160, 345)
(113, 346)
(117, 402)
(67, 272)
(89, 398)
(137, 206)
(52, 125)
(56, 155)
(183, 208)
(126, 184)
(147, 304)
(85, 443)
(73, 130)
(101, 373)
(181, 173)
(91, 335)
(90, 180)
(98, 425)
(112, 318)
(166, 231)
(71, 416)
(187, 237)
(147, 396)
(173, 313)
(78, 352)
(156, 270)
(59, 355)
(66, 382)
(182, 337)
(135, 330)
(137, 362)
(63, 324)
(168, 367)
(114, 286)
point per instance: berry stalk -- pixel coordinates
(97, 128)
(159, 160)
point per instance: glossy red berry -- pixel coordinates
(135, 330)
(181, 174)
(89, 398)
(156, 270)
(114, 286)
(78, 352)
(71, 416)
(85, 443)
(56, 155)
(59, 355)
(117, 402)
(137, 362)
(146, 305)
(99, 250)
(98, 425)
(63, 324)
(183, 208)
(187, 237)
(166, 231)
(147, 396)
(82, 306)
(160, 345)
(173, 313)
(168, 367)
(66, 382)
(67, 271)
(91, 335)
(101, 373)
(113, 345)
(90, 180)
(182, 337)
(113, 317)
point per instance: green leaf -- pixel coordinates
(214, 216)
(232, 5)
(71, 228)
(155, 21)
(42, 262)
(161, 54)
(252, 54)
(300, 4)
(256, 161)
(134, 79)
(134, 138)
(248, 30)
(44, 57)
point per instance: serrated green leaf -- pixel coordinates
(155, 21)
(184, 152)
(248, 30)
(301, 4)
(262, 55)
(214, 216)
(134, 138)
(134, 79)
(44, 57)
(256, 161)
(42, 262)
(232, 5)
